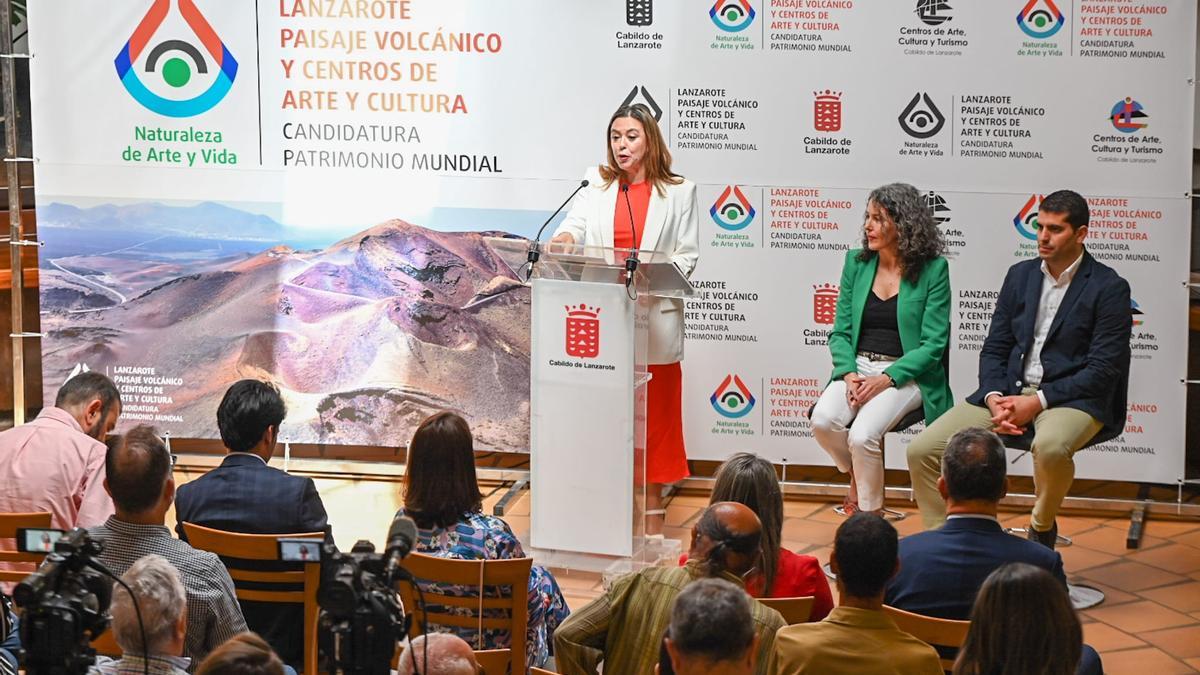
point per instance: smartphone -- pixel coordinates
(300, 550)
(37, 540)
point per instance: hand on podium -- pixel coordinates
(561, 243)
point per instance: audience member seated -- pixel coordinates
(242, 654)
(749, 479)
(857, 636)
(163, 604)
(142, 489)
(442, 497)
(711, 630)
(941, 570)
(1023, 622)
(245, 495)
(624, 626)
(56, 462)
(447, 655)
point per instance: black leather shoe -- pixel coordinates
(1047, 538)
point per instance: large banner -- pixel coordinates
(298, 189)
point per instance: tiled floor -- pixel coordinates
(1149, 622)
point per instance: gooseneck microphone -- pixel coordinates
(631, 263)
(535, 246)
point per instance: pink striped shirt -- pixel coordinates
(49, 464)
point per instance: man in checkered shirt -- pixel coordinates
(142, 488)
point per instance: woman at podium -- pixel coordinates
(635, 201)
(888, 341)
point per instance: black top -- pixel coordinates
(879, 332)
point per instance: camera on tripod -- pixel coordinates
(64, 603)
(361, 618)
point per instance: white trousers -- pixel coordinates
(852, 435)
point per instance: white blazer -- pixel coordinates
(672, 227)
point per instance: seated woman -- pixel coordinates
(1023, 622)
(442, 497)
(749, 479)
(888, 340)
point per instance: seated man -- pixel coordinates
(142, 489)
(857, 637)
(711, 630)
(624, 627)
(941, 570)
(163, 604)
(245, 495)
(56, 462)
(447, 655)
(1056, 357)
(10, 638)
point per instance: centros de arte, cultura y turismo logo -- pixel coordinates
(733, 398)
(732, 210)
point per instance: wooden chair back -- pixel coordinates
(494, 661)
(931, 630)
(794, 610)
(487, 577)
(265, 547)
(106, 644)
(9, 523)
(541, 671)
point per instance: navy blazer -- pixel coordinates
(941, 570)
(1085, 359)
(245, 495)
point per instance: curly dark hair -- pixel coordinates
(920, 240)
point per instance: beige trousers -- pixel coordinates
(1058, 434)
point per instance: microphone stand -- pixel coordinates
(535, 246)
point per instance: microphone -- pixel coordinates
(400, 538)
(631, 263)
(535, 250)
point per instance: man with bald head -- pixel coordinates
(447, 655)
(138, 477)
(625, 626)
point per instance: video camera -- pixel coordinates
(361, 618)
(64, 603)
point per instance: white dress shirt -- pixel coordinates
(1053, 292)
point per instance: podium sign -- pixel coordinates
(583, 375)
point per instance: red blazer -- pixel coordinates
(798, 576)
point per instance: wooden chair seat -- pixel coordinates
(232, 546)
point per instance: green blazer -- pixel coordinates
(923, 317)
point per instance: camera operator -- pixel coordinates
(10, 641)
(159, 593)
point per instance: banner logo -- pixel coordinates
(933, 12)
(825, 298)
(732, 210)
(732, 16)
(938, 206)
(1040, 19)
(172, 64)
(583, 331)
(733, 398)
(1128, 116)
(921, 118)
(645, 99)
(827, 110)
(1139, 317)
(1026, 221)
(79, 369)
(639, 12)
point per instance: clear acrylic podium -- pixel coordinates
(588, 380)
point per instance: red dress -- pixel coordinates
(666, 458)
(797, 576)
